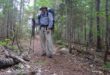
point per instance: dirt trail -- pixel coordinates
(65, 64)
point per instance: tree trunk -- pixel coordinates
(98, 26)
(11, 59)
(91, 25)
(69, 23)
(107, 41)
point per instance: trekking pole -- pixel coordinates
(32, 34)
(30, 43)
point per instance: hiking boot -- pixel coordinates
(43, 54)
(50, 56)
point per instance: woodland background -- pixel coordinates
(82, 25)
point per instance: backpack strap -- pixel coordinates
(39, 16)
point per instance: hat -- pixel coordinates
(43, 8)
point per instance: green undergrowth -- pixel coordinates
(4, 42)
(61, 43)
(107, 66)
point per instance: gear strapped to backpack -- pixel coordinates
(53, 14)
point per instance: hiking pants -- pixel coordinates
(46, 41)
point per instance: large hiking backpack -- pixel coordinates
(53, 14)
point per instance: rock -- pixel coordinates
(54, 74)
(39, 71)
(9, 71)
(99, 72)
(63, 51)
(28, 66)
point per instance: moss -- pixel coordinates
(107, 65)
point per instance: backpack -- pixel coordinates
(53, 14)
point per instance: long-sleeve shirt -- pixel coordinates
(46, 19)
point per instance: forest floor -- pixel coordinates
(61, 63)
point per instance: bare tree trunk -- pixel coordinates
(19, 28)
(91, 25)
(98, 26)
(107, 41)
(70, 23)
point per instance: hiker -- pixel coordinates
(45, 20)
